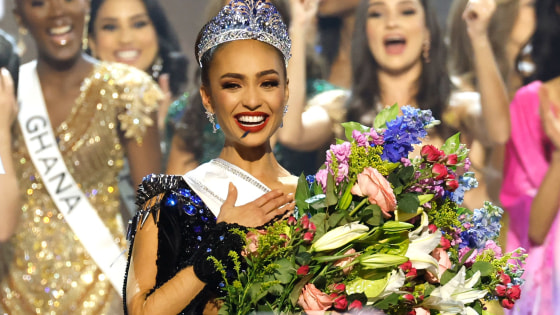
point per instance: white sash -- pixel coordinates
(210, 181)
(66, 194)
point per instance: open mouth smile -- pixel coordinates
(252, 121)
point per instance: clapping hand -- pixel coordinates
(477, 15)
(550, 117)
(258, 212)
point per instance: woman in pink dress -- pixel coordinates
(532, 169)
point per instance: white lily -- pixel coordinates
(339, 236)
(419, 251)
(378, 289)
(452, 297)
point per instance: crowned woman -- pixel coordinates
(243, 53)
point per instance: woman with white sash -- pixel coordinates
(78, 117)
(243, 54)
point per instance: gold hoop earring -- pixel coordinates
(85, 33)
(426, 51)
(22, 32)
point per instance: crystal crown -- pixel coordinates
(246, 19)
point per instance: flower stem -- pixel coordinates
(363, 202)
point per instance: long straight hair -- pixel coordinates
(546, 40)
(433, 85)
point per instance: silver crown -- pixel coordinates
(246, 19)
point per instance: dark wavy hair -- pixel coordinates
(433, 86)
(546, 40)
(175, 62)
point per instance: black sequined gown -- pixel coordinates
(183, 221)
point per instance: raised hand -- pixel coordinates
(258, 212)
(550, 116)
(303, 13)
(477, 16)
(8, 104)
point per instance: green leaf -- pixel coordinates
(447, 275)
(485, 268)
(408, 203)
(303, 258)
(346, 198)
(285, 271)
(387, 114)
(320, 223)
(371, 288)
(296, 291)
(276, 290)
(331, 195)
(406, 174)
(349, 127)
(255, 292)
(336, 217)
(452, 144)
(302, 193)
(387, 302)
(376, 215)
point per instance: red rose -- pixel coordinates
(312, 227)
(452, 185)
(356, 305)
(513, 293)
(505, 278)
(440, 170)
(452, 159)
(409, 297)
(303, 270)
(305, 222)
(308, 236)
(431, 153)
(341, 303)
(432, 228)
(444, 243)
(406, 266)
(292, 220)
(507, 304)
(338, 287)
(501, 290)
(411, 274)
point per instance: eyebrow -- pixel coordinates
(136, 16)
(383, 3)
(241, 76)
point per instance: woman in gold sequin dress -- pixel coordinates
(98, 111)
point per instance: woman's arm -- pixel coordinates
(544, 207)
(8, 182)
(144, 156)
(302, 129)
(493, 91)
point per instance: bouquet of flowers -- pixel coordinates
(377, 230)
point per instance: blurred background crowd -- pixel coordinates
(466, 61)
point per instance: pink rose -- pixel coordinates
(253, 244)
(421, 311)
(345, 261)
(308, 237)
(443, 259)
(312, 299)
(378, 190)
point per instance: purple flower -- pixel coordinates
(360, 138)
(376, 139)
(469, 261)
(342, 151)
(342, 173)
(321, 178)
(491, 245)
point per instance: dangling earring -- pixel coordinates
(284, 114)
(85, 33)
(21, 42)
(426, 51)
(157, 66)
(212, 120)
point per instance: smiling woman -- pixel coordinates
(243, 53)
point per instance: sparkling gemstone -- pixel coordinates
(189, 209)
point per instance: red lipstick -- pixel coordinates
(251, 121)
